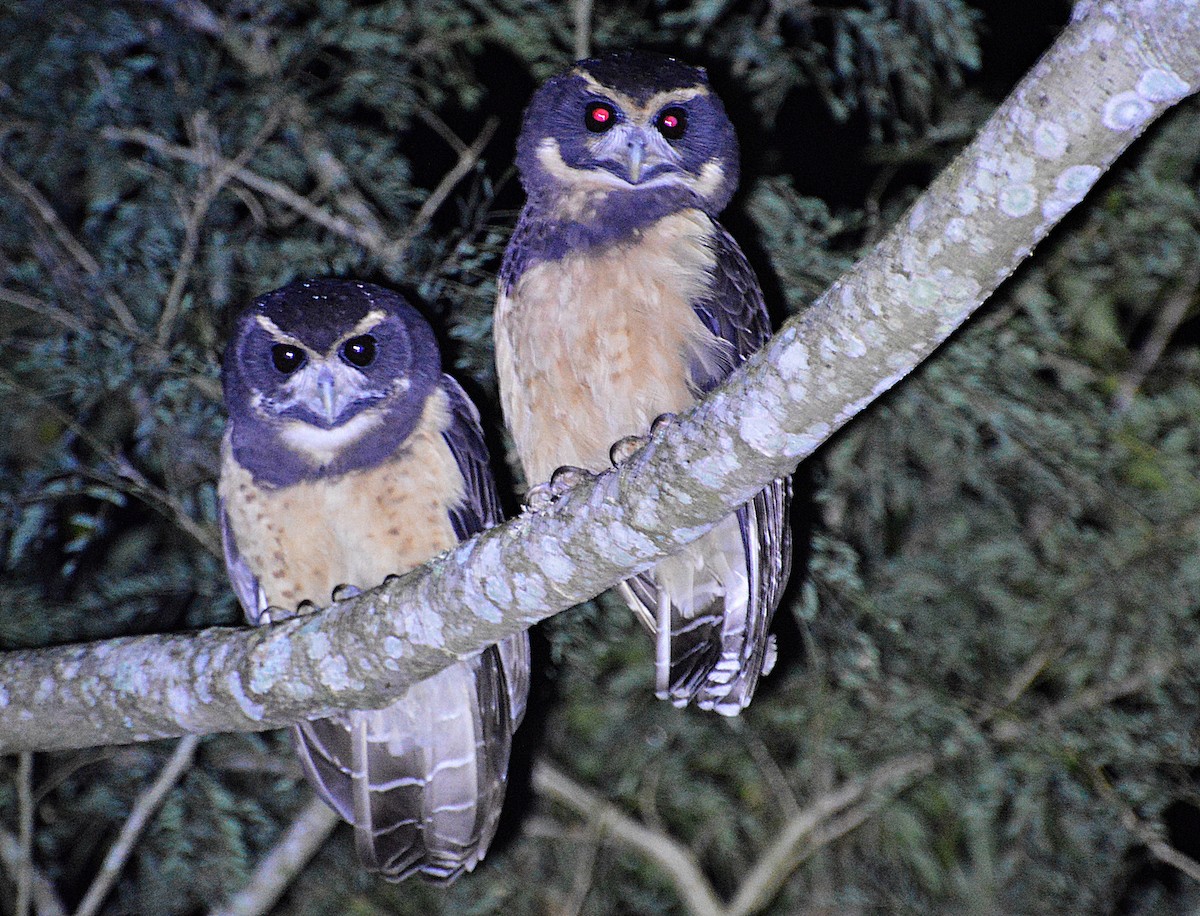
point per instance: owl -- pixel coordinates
(621, 298)
(348, 457)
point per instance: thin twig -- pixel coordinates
(207, 195)
(127, 478)
(40, 307)
(675, 859)
(1146, 834)
(81, 255)
(388, 251)
(331, 172)
(434, 121)
(307, 833)
(827, 818)
(795, 842)
(467, 160)
(770, 770)
(25, 831)
(1168, 320)
(583, 28)
(584, 873)
(147, 804)
(278, 192)
(45, 898)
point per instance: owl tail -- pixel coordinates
(710, 606)
(422, 780)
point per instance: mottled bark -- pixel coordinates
(1117, 67)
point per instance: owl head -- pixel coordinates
(326, 375)
(629, 122)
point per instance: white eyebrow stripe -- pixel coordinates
(641, 113)
(278, 333)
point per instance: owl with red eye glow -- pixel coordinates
(621, 298)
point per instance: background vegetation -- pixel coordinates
(998, 574)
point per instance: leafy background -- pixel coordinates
(998, 574)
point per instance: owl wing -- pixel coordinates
(723, 592)
(245, 584)
(423, 780)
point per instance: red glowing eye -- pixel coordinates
(600, 117)
(672, 123)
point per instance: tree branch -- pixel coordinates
(675, 859)
(1113, 70)
(145, 808)
(280, 867)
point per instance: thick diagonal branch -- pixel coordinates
(1114, 69)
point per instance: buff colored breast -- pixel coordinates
(593, 347)
(304, 540)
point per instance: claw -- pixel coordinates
(538, 497)
(624, 449)
(662, 421)
(343, 592)
(274, 614)
(567, 478)
(561, 481)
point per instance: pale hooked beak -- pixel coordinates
(327, 395)
(634, 150)
(635, 147)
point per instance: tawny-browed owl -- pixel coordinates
(622, 298)
(350, 457)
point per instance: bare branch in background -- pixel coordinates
(283, 864)
(139, 818)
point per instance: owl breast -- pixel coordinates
(303, 540)
(593, 346)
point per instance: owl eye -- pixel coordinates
(359, 351)
(287, 358)
(599, 117)
(671, 123)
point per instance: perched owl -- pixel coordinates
(622, 298)
(349, 457)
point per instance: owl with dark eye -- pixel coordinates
(622, 298)
(349, 457)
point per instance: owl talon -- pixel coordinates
(344, 592)
(274, 614)
(624, 449)
(566, 478)
(539, 497)
(560, 483)
(662, 421)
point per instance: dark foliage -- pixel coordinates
(1003, 571)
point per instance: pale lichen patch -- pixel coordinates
(253, 711)
(623, 545)
(335, 673)
(1160, 85)
(1126, 111)
(180, 700)
(274, 664)
(319, 646)
(428, 628)
(530, 593)
(714, 468)
(759, 429)
(555, 564)
(1017, 200)
(1049, 140)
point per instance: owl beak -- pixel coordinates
(328, 396)
(635, 149)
